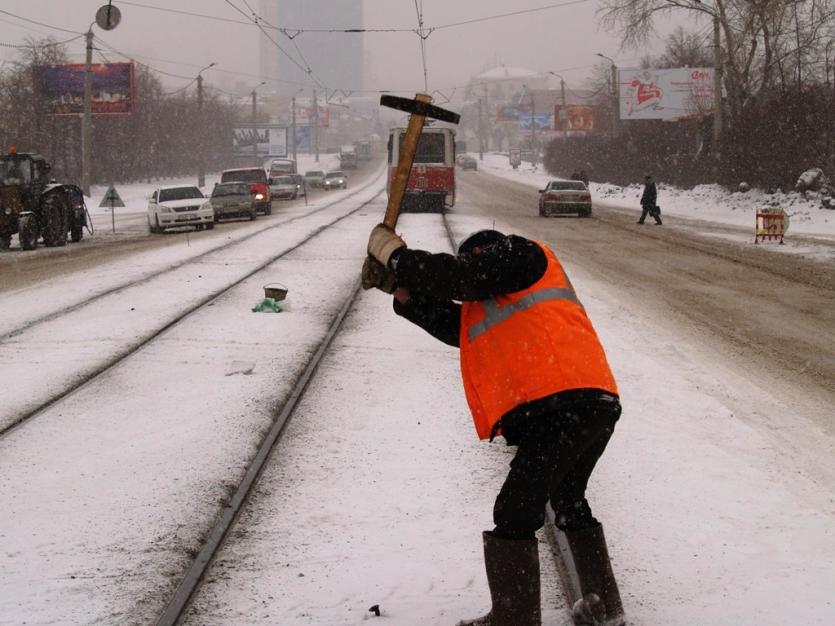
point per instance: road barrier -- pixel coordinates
(771, 224)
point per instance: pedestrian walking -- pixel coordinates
(649, 199)
(585, 178)
(558, 403)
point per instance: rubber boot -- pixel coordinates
(593, 590)
(513, 576)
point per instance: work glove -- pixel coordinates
(382, 242)
(375, 274)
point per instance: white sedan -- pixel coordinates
(170, 207)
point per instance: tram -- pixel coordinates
(431, 185)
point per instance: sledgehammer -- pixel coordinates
(418, 109)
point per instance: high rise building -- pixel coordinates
(334, 59)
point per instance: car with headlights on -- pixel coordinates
(258, 185)
(335, 180)
(233, 200)
(565, 196)
(169, 207)
(283, 188)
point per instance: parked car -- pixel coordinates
(335, 180)
(468, 162)
(179, 206)
(283, 188)
(565, 196)
(301, 185)
(258, 185)
(233, 200)
(314, 178)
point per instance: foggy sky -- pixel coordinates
(563, 40)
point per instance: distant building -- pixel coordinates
(335, 59)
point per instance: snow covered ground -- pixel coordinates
(707, 203)
(716, 493)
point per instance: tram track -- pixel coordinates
(25, 408)
(227, 516)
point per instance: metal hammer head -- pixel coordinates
(416, 107)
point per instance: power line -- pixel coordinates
(26, 19)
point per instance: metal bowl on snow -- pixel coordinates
(276, 291)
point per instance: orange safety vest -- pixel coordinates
(527, 345)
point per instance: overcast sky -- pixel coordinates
(562, 39)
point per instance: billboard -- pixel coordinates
(270, 140)
(580, 118)
(669, 94)
(543, 121)
(61, 87)
(304, 114)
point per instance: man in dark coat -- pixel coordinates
(560, 436)
(648, 201)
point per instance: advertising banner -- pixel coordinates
(62, 88)
(669, 94)
(304, 115)
(271, 140)
(543, 121)
(507, 113)
(580, 119)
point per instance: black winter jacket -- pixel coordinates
(438, 282)
(650, 195)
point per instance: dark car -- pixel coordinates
(468, 163)
(301, 185)
(565, 196)
(233, 200)
(258, 185)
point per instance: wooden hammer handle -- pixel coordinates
(404, 164)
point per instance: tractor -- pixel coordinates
(34, 207)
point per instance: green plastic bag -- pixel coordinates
(267, 305)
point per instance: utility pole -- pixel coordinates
(480, 130)
(87, 118)
(717, 88)
(564, 113)
(201, 165)
(315, 122)
(254, 130)
(293, 106)
(487, 118)
(534, 151)
(201, 151)
(564, 110)
(615, 101)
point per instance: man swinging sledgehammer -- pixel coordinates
(534, 372)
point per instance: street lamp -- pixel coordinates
(201, 165)
(564, 112)
(254, 122)
(615, 102)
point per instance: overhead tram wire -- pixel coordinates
(422, 44)
(306, 70)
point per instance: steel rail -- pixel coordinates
(132, 349)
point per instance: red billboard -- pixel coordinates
(580, 118)
(61, 88)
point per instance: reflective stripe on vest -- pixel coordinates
(496, 314)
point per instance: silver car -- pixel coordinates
(283, 188)
(335, 180)
(565, 196)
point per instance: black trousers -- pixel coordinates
(649, 208)
(558, 447)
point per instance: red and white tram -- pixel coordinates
(431, 185)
